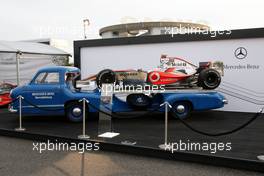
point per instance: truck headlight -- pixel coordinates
(225, 101)
(11, 109)
(10, 93)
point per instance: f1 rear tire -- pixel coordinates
(209, 79)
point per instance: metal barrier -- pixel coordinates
(113, 114)
(166, 145)
(256, 115)
(83, 135)
(20, 128)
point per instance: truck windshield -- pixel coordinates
(47, 78)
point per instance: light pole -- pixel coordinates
(86, 23)
(18, 56)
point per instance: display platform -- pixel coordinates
(143, 135)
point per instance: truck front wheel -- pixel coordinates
(74, 112)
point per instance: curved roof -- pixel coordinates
(59, 68)
(30, 48)
(148, 25)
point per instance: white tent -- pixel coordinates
(12, 54)
(30, 48)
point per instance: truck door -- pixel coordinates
(45, 90)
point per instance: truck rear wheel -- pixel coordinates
(181, 109)
(209, 79)
(106, 76)
(74, 112)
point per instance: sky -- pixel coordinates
(63, 19)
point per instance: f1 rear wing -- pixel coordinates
(218, 66)
(167, 62)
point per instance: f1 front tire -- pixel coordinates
(106, 76)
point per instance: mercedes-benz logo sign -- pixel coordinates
(241, 53)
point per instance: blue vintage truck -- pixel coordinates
(51, 93)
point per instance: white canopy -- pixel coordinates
(30, 48)
(11, 54)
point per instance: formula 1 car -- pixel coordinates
(5, 89)
(178, 72)
(172, 71)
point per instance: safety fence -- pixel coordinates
(116, 115)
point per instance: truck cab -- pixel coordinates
(49, 92)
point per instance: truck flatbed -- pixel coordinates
(57, 96)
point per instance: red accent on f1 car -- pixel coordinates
(5, 89)
(169, 76)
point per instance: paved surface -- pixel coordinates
(18, 159)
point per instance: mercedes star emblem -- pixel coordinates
(241, 53)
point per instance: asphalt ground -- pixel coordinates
(148, 131)
(17, 158)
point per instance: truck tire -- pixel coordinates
(106, 76)
(133, 82)
(181, 109)
(138, 101)
(209, 79)
(74, 112)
